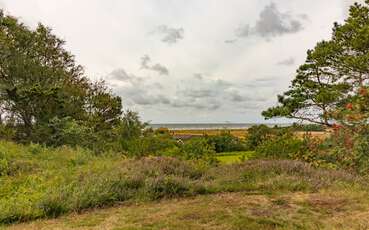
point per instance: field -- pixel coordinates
(240, 133)
(64, 188)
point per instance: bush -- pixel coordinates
(197, 148)
(361, 151)
(281, 146)
(308, 127)
(225, 142)
(149, 145)
(256, 135)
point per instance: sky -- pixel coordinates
(189, 61)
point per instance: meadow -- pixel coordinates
(109, 191)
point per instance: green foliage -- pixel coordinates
(43, 90)
(197, 148)
(149, 145)
(361, 152)
(131, 126)
(44, 182)
(256, 135)
(334, 79)
(308, 127)
(283, 145)
(225, 142)
(348, 150)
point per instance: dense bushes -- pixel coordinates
(281, 145)
(256, 135)
(41, 182)
(226, 142)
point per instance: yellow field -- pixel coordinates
(240, 133)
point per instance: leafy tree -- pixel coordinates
(334, 77)
(40, 82)
(131, 126)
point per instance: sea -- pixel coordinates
(205, 126)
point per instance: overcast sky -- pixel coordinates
(189, 60)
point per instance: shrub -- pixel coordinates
(256, 135)
(149, 145)
(225, 142)
(197, 148)
(283, 145)
(361, 151)
(308, 127)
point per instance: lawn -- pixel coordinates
(234, 157)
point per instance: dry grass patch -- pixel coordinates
(221, 211)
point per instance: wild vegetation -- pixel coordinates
(41, 182)
(68, 146)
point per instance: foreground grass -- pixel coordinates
(329, 209)
(38, 183)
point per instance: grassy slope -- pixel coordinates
(39, 183)
(323, 210)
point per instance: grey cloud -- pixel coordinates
(145, 60)
(208, 104)
(123, 76)
(159, 68)
(142, 98)
(236, 97)
(162, 70)
(198, 92)
(288, 62)
(272, 23)
(230, 41)
(170, 35)
(136, 89)
(198, 76)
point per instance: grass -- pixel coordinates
(38, 183)
(234, 157)
(327, 209)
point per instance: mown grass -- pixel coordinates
(234, 157)
(38, 182)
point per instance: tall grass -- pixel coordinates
(38, 182)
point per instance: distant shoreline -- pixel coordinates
(212, 126)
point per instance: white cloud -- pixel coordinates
(239, 77)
